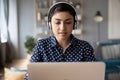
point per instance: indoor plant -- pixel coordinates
(29, 43)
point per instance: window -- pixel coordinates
(3, 19)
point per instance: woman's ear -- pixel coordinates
(74, 26)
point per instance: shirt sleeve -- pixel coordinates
(88, 53)
(36, 54)
(36, 57)
(26, 76)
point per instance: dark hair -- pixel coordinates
(61, 7)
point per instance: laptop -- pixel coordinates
(66, 71)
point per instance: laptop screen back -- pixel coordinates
(66, 71)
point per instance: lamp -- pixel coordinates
(98, 18)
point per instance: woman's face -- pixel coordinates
(62, 25)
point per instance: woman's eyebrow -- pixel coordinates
(57, 19)
(68, 19)
(65, 19)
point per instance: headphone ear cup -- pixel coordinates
(49, 24)
(75, 25)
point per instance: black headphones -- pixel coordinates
(53, 6)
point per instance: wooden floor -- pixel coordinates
(19, 63)
(15, 63)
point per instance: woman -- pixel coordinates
(62, 46)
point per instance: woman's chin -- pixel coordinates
(62, 37)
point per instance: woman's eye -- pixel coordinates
(57, 22)
(64, 23)
(68, 22)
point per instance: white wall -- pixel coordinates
(114, 19)
(90, 27)
(26, 23)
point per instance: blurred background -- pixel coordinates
(23, 22)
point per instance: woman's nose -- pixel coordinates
(62, 26)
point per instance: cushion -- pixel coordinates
(110, 52)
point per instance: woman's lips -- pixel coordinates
(63, 33)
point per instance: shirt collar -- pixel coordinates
(73, 40)
(54, 41)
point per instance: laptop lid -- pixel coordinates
(66, 71)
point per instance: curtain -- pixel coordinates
(4, 33)
(4, 21)
(9, 27)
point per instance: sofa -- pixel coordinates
(109, 53)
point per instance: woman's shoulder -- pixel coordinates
(82, 42)
(44, 40)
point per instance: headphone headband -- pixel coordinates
(60, 3)
(57, 3)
